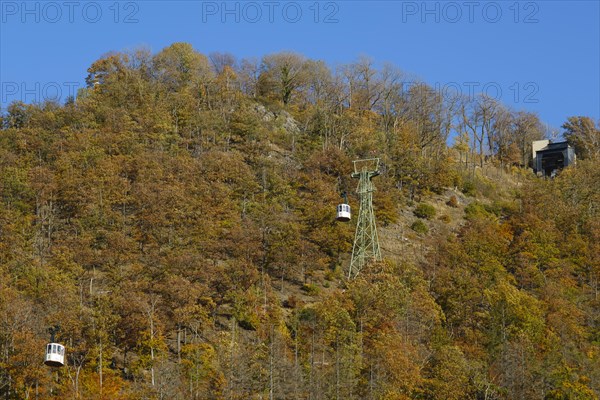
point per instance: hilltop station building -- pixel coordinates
(549, 158)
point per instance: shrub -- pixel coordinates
(419, 227)
(424, 211)
(387, 212)
(249, 322)
(291, 302)
(452, 202)
(311, 289)
(445, 218)
(487, 188)
(476, 210)
(469, 189)
(457, 179)
(505, 208)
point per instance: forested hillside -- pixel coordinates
(177, 220)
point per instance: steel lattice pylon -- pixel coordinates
(366, 241)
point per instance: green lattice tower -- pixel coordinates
(366, 241)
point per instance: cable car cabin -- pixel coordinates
(343, 213)
(55, 355)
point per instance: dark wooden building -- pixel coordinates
(552, 158)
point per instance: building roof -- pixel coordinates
(558, 146)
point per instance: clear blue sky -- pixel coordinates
(541, 56)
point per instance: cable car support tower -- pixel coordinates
(366, 241)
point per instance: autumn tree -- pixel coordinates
(583, 135)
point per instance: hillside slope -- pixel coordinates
(179, 227)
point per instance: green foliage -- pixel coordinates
(419, 227)
(426, 211)
(469, 188)
(476, 210)
(311, 289)
(497, 209)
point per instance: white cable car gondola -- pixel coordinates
(55, 352)
(343, 213)
(55, 355)
(343, 210)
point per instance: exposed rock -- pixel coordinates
(265, 114)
